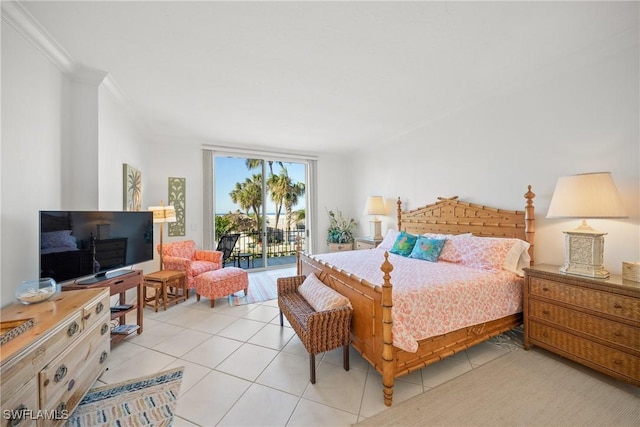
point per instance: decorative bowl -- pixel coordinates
(35, 291)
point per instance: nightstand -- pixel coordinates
(367, 242)
(595, 322)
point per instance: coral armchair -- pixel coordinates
(185, 257)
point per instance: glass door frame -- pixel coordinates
(308, 162)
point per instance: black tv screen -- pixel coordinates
(77, 244)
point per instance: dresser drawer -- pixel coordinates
(21, 405)
(70, 371)
(14, 375)
(339, 247)
(96, 311)
(602, 302)
(614, 332)
(603, 357)
(365, 245)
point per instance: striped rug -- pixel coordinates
(263, 286)
(144, 401)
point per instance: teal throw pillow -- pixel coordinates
(403, 244)
(427, 249)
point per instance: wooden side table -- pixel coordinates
(170, 287)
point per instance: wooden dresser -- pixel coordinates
(595, 322)
(47, 369)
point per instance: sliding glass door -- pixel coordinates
(263, 201)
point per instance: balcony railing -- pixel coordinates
(280, 248)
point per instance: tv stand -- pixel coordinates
(119, 282)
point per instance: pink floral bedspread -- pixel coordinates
(430, 298)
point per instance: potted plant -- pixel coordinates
(340, 232)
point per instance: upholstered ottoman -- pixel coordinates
(220, 283)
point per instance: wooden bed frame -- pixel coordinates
(372, 323)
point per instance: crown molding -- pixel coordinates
(16, 16)
(19, 19)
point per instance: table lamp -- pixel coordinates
(588, 195)
(162, 214)
(375, 206)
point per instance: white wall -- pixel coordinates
(64, 140)
(586, 119)
(176, 161)
(32, 111)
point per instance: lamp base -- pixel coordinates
(584, 254)
(375, 231)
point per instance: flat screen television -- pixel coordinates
(88, 246)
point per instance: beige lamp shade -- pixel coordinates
(375, 206)
(163, 213)
(588, 195)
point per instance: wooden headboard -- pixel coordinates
(55, 223)
(451, 216)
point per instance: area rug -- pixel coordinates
(263, 286)
(521, 388)
(144, 401)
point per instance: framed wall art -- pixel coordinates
(177, 198)
(132, 188)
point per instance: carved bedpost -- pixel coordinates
(399, 214)
(529, 220)
(387, 335)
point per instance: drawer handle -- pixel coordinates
(71, 384)
(617, 362)
(103, 356)
(18, 415)
(617, 305)
(61, 409)
(99, 308)
(73, 329)
(60, 373)
(545, 312)
(104, 329)
(545, 289)
(618, 333)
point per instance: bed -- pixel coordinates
(375, 321)
(61, 258)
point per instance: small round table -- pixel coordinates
(244, 255)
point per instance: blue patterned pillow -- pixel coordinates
(427, 249)
(403, 244)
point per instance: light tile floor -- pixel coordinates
(243, 369)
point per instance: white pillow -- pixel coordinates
(320, 296)
(518, 257)
(389, 240)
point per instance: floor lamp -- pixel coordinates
(162, 214)
(588, 195)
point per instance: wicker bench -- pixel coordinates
(319, 331)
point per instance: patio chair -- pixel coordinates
(226, 244)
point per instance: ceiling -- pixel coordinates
(318, 76)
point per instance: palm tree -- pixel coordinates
(295, 190)
(248, 195)
(278, 186)
(257, 163)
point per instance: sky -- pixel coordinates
(231, 170)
